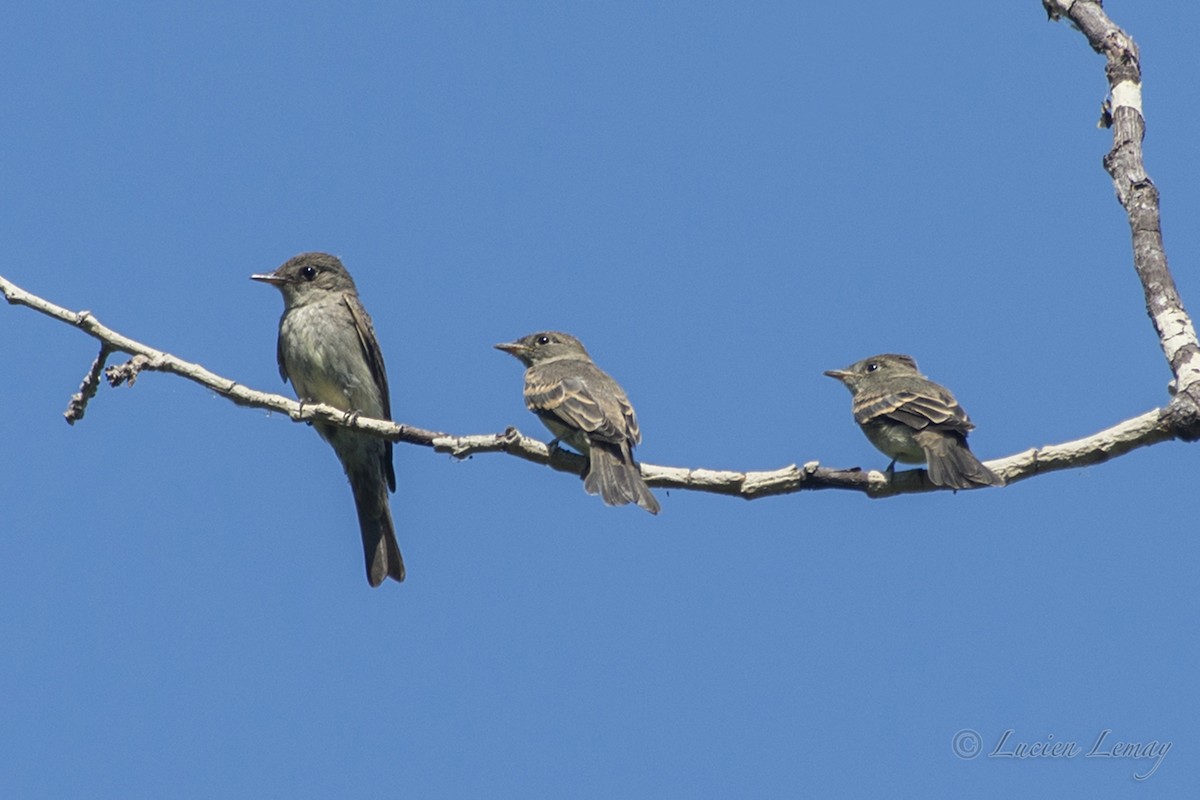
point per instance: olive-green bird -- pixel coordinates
(328, 350)
(911, 419)
(584, 407)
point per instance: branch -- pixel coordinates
(1135, 191)
(1147, 429)
(1139, 196)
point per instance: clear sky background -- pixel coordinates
(721, 202)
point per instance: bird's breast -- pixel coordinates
(324, 358)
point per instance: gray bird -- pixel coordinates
(328, 350)
(584, 407)
(911, 419)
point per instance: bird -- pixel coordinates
(583, 406)
(911, 419)
(328, 350)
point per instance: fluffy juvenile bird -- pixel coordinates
(328, 350)
(584, 407)
(911, 419)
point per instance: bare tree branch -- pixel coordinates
(1136, 192)
(1139, 196)
(1147, 429)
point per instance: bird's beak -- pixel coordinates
(839, 374)
(270, 278)
(512, 348)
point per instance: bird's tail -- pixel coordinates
(380, 548)
(614, 475)
(953, 465)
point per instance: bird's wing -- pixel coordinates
(283, 373)
(572, 401)
(370, 346)
(932, 407)
(632, 431)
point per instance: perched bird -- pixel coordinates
(328, 350)
(911, 419)
(584, 407)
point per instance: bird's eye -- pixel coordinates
(543, 340)
(874, 365)
(308, 273)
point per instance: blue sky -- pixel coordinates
(721, 202)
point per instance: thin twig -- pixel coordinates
(77, 407)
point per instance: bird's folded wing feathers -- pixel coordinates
(918, 410)
(370, 346)
(570, 400)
